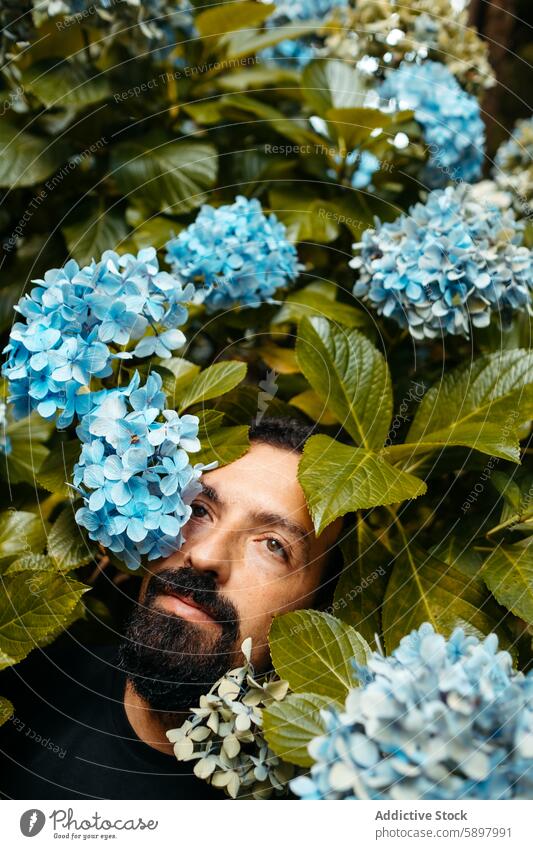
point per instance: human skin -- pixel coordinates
(251, 530)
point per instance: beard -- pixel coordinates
(170, 661)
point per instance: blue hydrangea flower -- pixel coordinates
(134, 473)
(436, 720)
(77, 321)
(236, 253)
(446, 265)
(295, 53)
(449, 116)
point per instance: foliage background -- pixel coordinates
(113, 134)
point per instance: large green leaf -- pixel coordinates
(353, 126)
(6, 710)
(93, 231)
(318, 300)
(424, 589)
(291, 724)
(176, 373)
(217, 21)
(338, 479)
(55, 474)
(26, 159)
(213, 381)
(304, 215)
(362, 583)
(33, 608)
(480, 405)
(241, 405)
(508, 573)
(223, 444)
(20, 532)
(167, 176)
(66, 544)
(61, 83)
(332, 83)
(27, 453)
(313, 652)
(351, 377)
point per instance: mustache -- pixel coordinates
(200, 587)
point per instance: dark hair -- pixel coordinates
(281, 433)
(291, 434)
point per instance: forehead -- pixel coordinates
(265, 478)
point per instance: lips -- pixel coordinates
(185, 607)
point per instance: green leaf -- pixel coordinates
(26, 159)
(23, 462)
(305, 216)
(166, 175)
(338, 479)
(56, 472)
(350, 375)
(313, 652)
(94, 231)
(332, 83)
(65, 84)
(456, 551)
(34, 606)
(251, 42)
(241, 405)
(354, 125)
(291, 724)
(20, 532)
(213, 381)
(176, 374)
(424, 589)
(517, 492)
(66, 544)
(224, 444)
(6, 710)
(310, 404)
(508, 573)
(31, 563)
(318, 300)
(480, 405)
(228, 17)
(361, 586)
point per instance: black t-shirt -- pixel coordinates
(70, 737)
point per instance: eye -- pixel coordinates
(198, 511)
(275, 547)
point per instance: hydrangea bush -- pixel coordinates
(447, 265)
(297, 52)
(236, 254)
(437, 719)
(449, 116)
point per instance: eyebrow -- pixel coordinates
(262, 517)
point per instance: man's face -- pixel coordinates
(250, 553)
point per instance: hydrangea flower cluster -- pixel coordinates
(445, 265)
(449, 116)
(134, 472)
(513, 166)
(236, 253)
(379, 35)
(438, 719)
(219, 734)
(298, 52)
(77, 319)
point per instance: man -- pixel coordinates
(91, 722)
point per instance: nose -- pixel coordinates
(213, 551)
